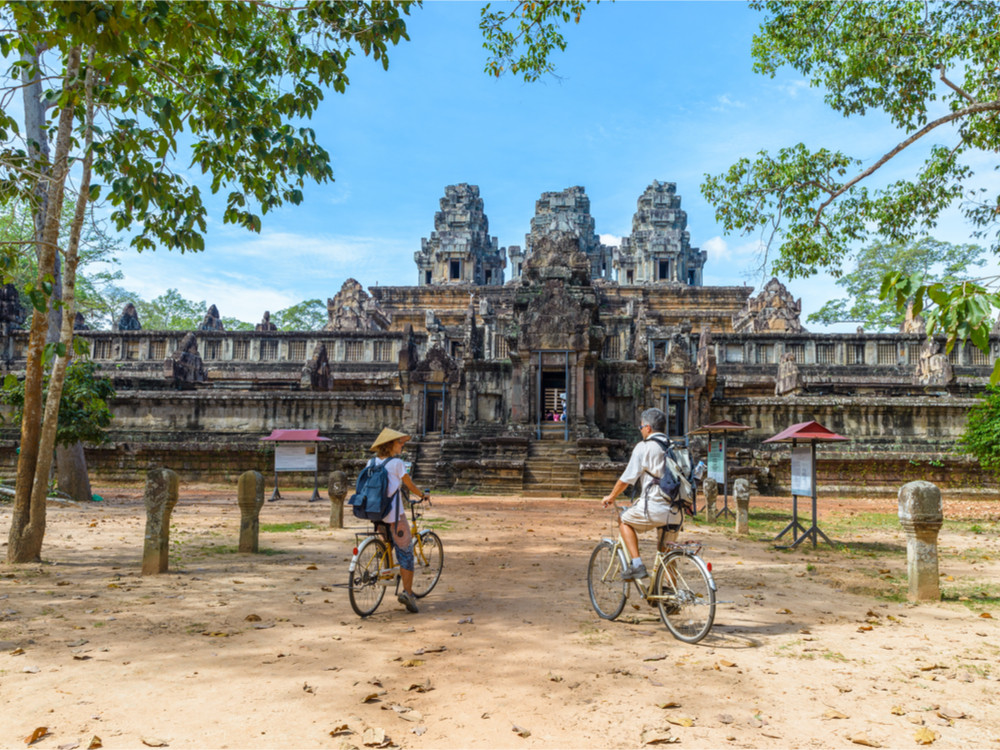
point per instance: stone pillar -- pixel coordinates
(921, 517)
(711, 495)
(741, 493)
(337, 490)
(160, 498)
(250, 496)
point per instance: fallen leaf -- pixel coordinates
(554, 678)
(81, 657)
(311, 567)
(95, 743)
(341, 729)
(263, 625)
(68, 746)
(925, 736)
(862, 739)
(77, 643)
(520, 731)
(725, 663)
(419, 730)
(413, 662)
(465, 620)
(930, 667)
(725, 718)
(371, 697)
(252, 618)
(215, 633)
(410, 715)
(31, 670)
(805, 631)
(153, 742)
(950, 713)
(374, 737)
(987, 615)
(309, 688)
(864, 629)
(429, 650)
(657, 737)
(834, 714)
(897, 711)
(421, 687)
(669, 704)
(681, 721)
(17, 652)
(785, 611)
(655, 657)
(36, 735)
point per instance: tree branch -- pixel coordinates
(968, 111)
(958, 89)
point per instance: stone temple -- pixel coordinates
(524, 369)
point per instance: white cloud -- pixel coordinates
(792, 89)
(610, 239)
(726, 103)
(717, 249)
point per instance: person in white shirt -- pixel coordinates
(387, 447)
(651, 508)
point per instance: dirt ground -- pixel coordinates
(505, 653)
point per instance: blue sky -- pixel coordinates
(645, 91)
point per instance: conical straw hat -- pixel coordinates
(388, 435)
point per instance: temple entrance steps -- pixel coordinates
(552, 469)
(425, 459)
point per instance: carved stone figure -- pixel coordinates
(773, 310)
(79, 324)
(129, 320)
(789, 379)
(160, 498)
(316, 373)
(266, 324)
(677, 360)
(352, 309)
(185, 364)
(933, 367)
(337, 489)
(11, 309)
(912, 323)
(741, 492)
(250, 498)
(212, 321)
(711, 489)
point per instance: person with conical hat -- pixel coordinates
(387, 448)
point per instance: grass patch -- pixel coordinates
(438, 524)
(976, 596)
(282, 527)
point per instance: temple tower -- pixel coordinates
(460, 249)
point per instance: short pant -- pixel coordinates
(635, 516)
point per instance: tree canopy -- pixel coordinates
(931, 260)
(930, 68)
(982, 431)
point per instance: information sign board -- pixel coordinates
(295, 457)
(717, 459)
(802, 471)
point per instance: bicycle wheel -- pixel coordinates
(604, 581)
(685, 596)
(428, 560)
(363, 585)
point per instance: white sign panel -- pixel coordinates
(717, 460)
(802, 471)
(295, 457)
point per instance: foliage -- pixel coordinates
(982, 431)
(933, 261)
(308, 315)
(522, 36)
(930, 68)
(84, 414)
(170, 312)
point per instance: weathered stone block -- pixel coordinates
(921, 517)
(161, 496)
(337, 489)
(741, 492)
(250, 496)
(711, 489)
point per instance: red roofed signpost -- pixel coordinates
(295, 450)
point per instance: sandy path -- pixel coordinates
(796, 658)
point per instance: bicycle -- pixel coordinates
(373, 564)
(682, 587)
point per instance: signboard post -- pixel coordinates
(296, 450)
(718, 466)
(803, 478)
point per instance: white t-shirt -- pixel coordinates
(647, 465)
(396, 470)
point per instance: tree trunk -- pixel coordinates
(27, 526)
(71, 470)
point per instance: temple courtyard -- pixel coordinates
(811, 648)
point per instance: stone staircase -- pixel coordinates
(552, 469)
(425, 459)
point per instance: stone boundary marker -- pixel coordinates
(160, 498)
(741, 491)
(711, 490)
(250, 496)
(921, 517)
(337, 488)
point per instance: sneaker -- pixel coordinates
(408, 600)
(635, 572)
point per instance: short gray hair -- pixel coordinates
(655, 418)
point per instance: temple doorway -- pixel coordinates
(433, 412)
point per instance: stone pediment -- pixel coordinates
(774, 310)
(557, 256)
(436, 367)
(352, 309)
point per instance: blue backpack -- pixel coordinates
(371, 499)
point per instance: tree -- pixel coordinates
(933, 261)
(170, 312)
(126, 81)
(308, 315)
(982, 431)
(930, 68)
